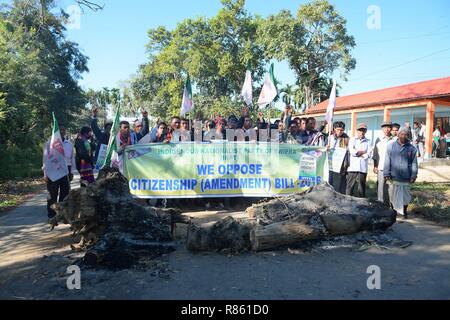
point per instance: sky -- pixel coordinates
(411, 44)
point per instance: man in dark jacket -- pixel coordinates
(400, 170)
(102, 137)
(312, 137)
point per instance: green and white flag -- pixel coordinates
(247, 89)
(111, 152)
(55, 164)
(188, 103)
(269, 90)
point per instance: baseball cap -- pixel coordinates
(361, 126)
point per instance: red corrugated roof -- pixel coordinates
(437, 88)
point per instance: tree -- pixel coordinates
(90, 5)
(39, 73)
(215, 52)
(288, 93)
(314, 42)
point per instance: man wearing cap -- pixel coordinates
(379, 155)
(339, 140)
(359, 149)
(400, 170)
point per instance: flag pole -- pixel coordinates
(190, 123)
(269, 113)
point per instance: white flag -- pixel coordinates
(247, 89)
(269, 90)
(188, 102)
(331, 104)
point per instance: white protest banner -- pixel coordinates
(336, 159)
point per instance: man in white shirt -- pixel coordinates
(60, 188)
(423, 129)
(379, 155)
(359, 149)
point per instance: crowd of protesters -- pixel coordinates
(395, 164)
(394, 154)
(293, 131)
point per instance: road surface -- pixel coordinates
(34, 261)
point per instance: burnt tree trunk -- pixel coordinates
(282, 233)
(315, 214)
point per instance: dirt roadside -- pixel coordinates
(15, 192)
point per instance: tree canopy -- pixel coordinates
(40, 68)
(216, 52)
(315, 43)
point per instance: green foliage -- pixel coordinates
(20, 161)
(314, 42)
(216, 51)
(39, 73)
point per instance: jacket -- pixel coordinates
(401, 162)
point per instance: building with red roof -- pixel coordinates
(427, 101)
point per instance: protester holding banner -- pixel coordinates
(184, 124)
(400, 170)
(84, 156)
(101, 136)
(338, 147)
(57, 167)
(175, 124)
(160, 134)
(220, 129)
(125, 137)
(293, 133)
(359, 149)
(379, 155)
(246, 124)
(281, 132)
(303, 122)
(233, 122)
(311, 137)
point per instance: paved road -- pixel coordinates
(33, 264)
